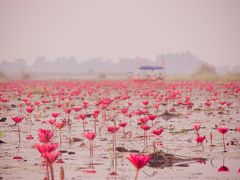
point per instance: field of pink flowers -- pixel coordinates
(116, 129)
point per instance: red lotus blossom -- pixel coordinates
(196, 127)
(152, 117)
(37, 103)
(223, 169)
(95, 114)
(59, 105)
(17, 119)
(44, 148)
(208, 103)
(130, 103)
(112, 129)
(59, 125)
(76, 109)
(222, 103)
(55, 115)
(238, 129)
(85, 105)
(44, 101)
(129, 115)
(143, 120)
(30, 109)
(122, 124)
(68, 110)
(158, 132)
(156, 106)
(228, 104)
(200, 139)
(82, 116)
(45, 135)
(124, 110)
(52, 121)
(144, 111)
(223, 130)
(172, 109)
(138, 112)
(52, 156)
(145, 103)
(145, 127)
(90, 135)
(139, 160)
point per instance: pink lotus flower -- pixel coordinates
(139, 161)
(144, 111)
(112, 129)
(223, 130)
(172, 109)
(158, 132)
(59, 125)
(43, 148)
(130, 103)
(90, 135)
(85, 105)
(228, 104)
(17, 119)
(29, 109)
(143, 120)
(82, 116)
(145, 103)
(123, 124)
(196, 127)
(222, 103)
(223, 169)
(68, 111)
(44, 101)
(52, 156)
(208, 103)
(52, 121)
(152, 117)
(124, 110)
(45, 135)
(95, 114)
(76, 109)
(200, 139)
(55, 115)
(37, 103)
(145, 127)
(238, 129)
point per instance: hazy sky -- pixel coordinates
(120, 28)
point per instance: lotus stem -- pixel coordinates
(19, 137)
(136, 176)
(225, 150)
(51, 171)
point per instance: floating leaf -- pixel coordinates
(1, 134)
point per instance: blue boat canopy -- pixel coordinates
(151, 68)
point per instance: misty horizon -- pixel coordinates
(72, 66)
(114, 61)
(116, 29)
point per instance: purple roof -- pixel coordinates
(151, 68)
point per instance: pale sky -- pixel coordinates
(113, 29)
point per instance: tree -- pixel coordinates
(205, 68)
